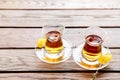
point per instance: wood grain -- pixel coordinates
(20, 37)
(20, 22)
(37, 18)
(26, 60)
(58, 76)
(59, 4)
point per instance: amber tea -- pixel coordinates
(92, 48)
(53, 42)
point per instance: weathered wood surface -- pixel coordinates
(58, 76)
(27, 37)
(59, 4)
(37, 18)
(20, 27)
(26, 60)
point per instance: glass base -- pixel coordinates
(84, 63)
(44, 56)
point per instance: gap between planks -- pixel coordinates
(34, 48)
(64, 9)
(65, 27)
(63, 71)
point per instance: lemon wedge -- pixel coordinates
(41, 42)
(105, 58)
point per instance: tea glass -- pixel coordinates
(86, 55)
(56, 49)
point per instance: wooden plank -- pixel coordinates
(37, 18)
(59, 4)
(20, 37)
(58, 76)
(26, 60)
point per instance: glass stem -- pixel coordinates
(95, 74)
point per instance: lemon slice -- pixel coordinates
(105, 58)
(41, 42)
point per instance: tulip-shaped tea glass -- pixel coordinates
(56, 49)
(87, 54)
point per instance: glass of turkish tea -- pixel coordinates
(92, 49)
(53, 34)
(56, 49)
(87, 54)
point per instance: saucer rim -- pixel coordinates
(78, 63)
(64, 59)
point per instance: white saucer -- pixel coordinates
(78, 58)
(66, 53)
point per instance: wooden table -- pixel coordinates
(20, 27)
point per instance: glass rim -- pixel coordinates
(96, 30)
(57, 27)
